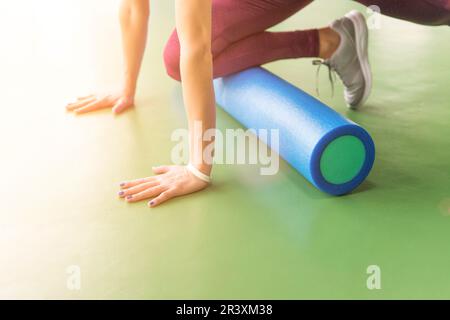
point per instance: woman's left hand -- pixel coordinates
(169, 182)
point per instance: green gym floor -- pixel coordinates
(248, 236)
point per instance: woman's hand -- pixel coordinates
(169, 182)
(118, 103)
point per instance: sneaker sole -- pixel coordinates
(361, 37)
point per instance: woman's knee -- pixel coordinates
(172, 57)
(172, 54)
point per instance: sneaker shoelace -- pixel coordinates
(331, 74)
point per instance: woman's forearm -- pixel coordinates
(134, 16)
(196, 72)
(194, 31)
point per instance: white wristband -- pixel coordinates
(198, 174)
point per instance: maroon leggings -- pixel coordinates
(239, 39)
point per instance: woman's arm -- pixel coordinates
(193, 20)
(194, 31)
(133, 16)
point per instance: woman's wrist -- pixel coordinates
(198, 173)
(202, 167)
(129, 85)
(129, 91)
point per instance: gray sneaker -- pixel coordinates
(351, 61)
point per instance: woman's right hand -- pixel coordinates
(93, 102)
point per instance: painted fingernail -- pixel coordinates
(122, 184)
(121, 193)
(152, 203)
(129, 197)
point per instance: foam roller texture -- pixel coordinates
(332, 152)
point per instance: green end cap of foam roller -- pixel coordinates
(342, 159)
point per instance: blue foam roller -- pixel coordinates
(332, 152)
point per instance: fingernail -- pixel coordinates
(129, 197)
(121, 193)
(122, 184)
(152, 203)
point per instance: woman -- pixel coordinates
(230, 35)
